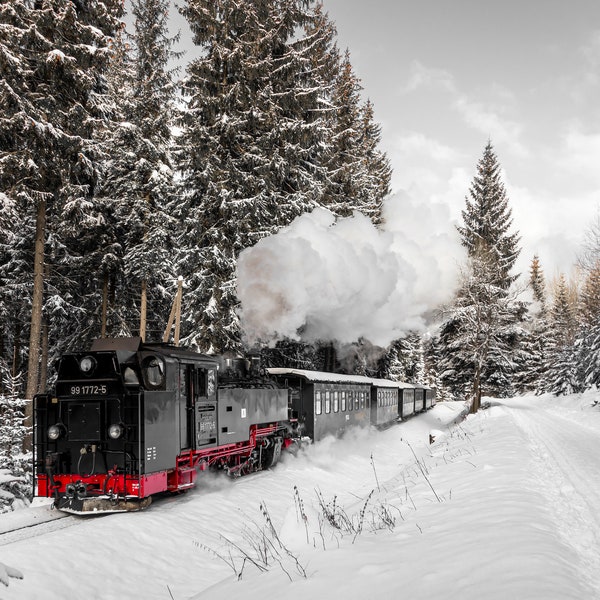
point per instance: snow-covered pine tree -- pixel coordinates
(138, 182)
(52, 59)
(538, 285)
(359, 173)
(561, 369)
(588, 339)
(15, 465)
(251, 148)
(377, 165)
(487, 220)
(431, 356)
(589, 297)
(532, 359)
(404, 360)
(15, 281)
(481, 334)
(344, 162)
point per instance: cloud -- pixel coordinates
(590, 52)
(488, 120)
(419, 143)
(422, 76)
(580, 153)
(487, 117)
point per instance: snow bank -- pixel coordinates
(478, 514)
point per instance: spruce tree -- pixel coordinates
(589, 299)
(532, 359)
(138, 182)
(359, 173)
(538, 285)
(481, 334)
(376, 164)
(587, 345)
(15, 465)
(253, 137)
(404, 360)
(487, 220)
(53, 55)
(561, 372)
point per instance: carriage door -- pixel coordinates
(206, 408)
(187, 395)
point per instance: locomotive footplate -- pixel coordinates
(98, 505)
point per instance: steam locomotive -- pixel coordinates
(128, 420)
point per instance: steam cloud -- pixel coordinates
(327, 279)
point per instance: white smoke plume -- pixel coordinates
(327, 279)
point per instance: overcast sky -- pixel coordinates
(447, 75)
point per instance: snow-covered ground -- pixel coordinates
(505, 505)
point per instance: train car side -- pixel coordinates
(326, 403)
(384, 402)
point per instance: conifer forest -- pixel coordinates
(120, 173)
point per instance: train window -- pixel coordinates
(343, 399)
(362, 399)
(336, 402)
(211, 382)
(200, 383)
(356, 400)
(130, 377)
(327, 402)
(153, 370)
(318, 405)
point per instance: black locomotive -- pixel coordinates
(127, 420)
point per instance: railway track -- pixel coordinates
(32, 522)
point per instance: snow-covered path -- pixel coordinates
(564, 447)
(503, 505)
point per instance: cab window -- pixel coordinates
(153, 370)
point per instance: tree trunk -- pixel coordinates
(44, 364)
(143, 310)
(476, 401)
(104, 305)
(36, 316)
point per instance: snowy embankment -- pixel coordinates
(504, 505)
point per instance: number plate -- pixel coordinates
(82, 389)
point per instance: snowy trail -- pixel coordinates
(564, 451)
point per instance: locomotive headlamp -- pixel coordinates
(56, 431)
(115, 431)
(87, 364)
